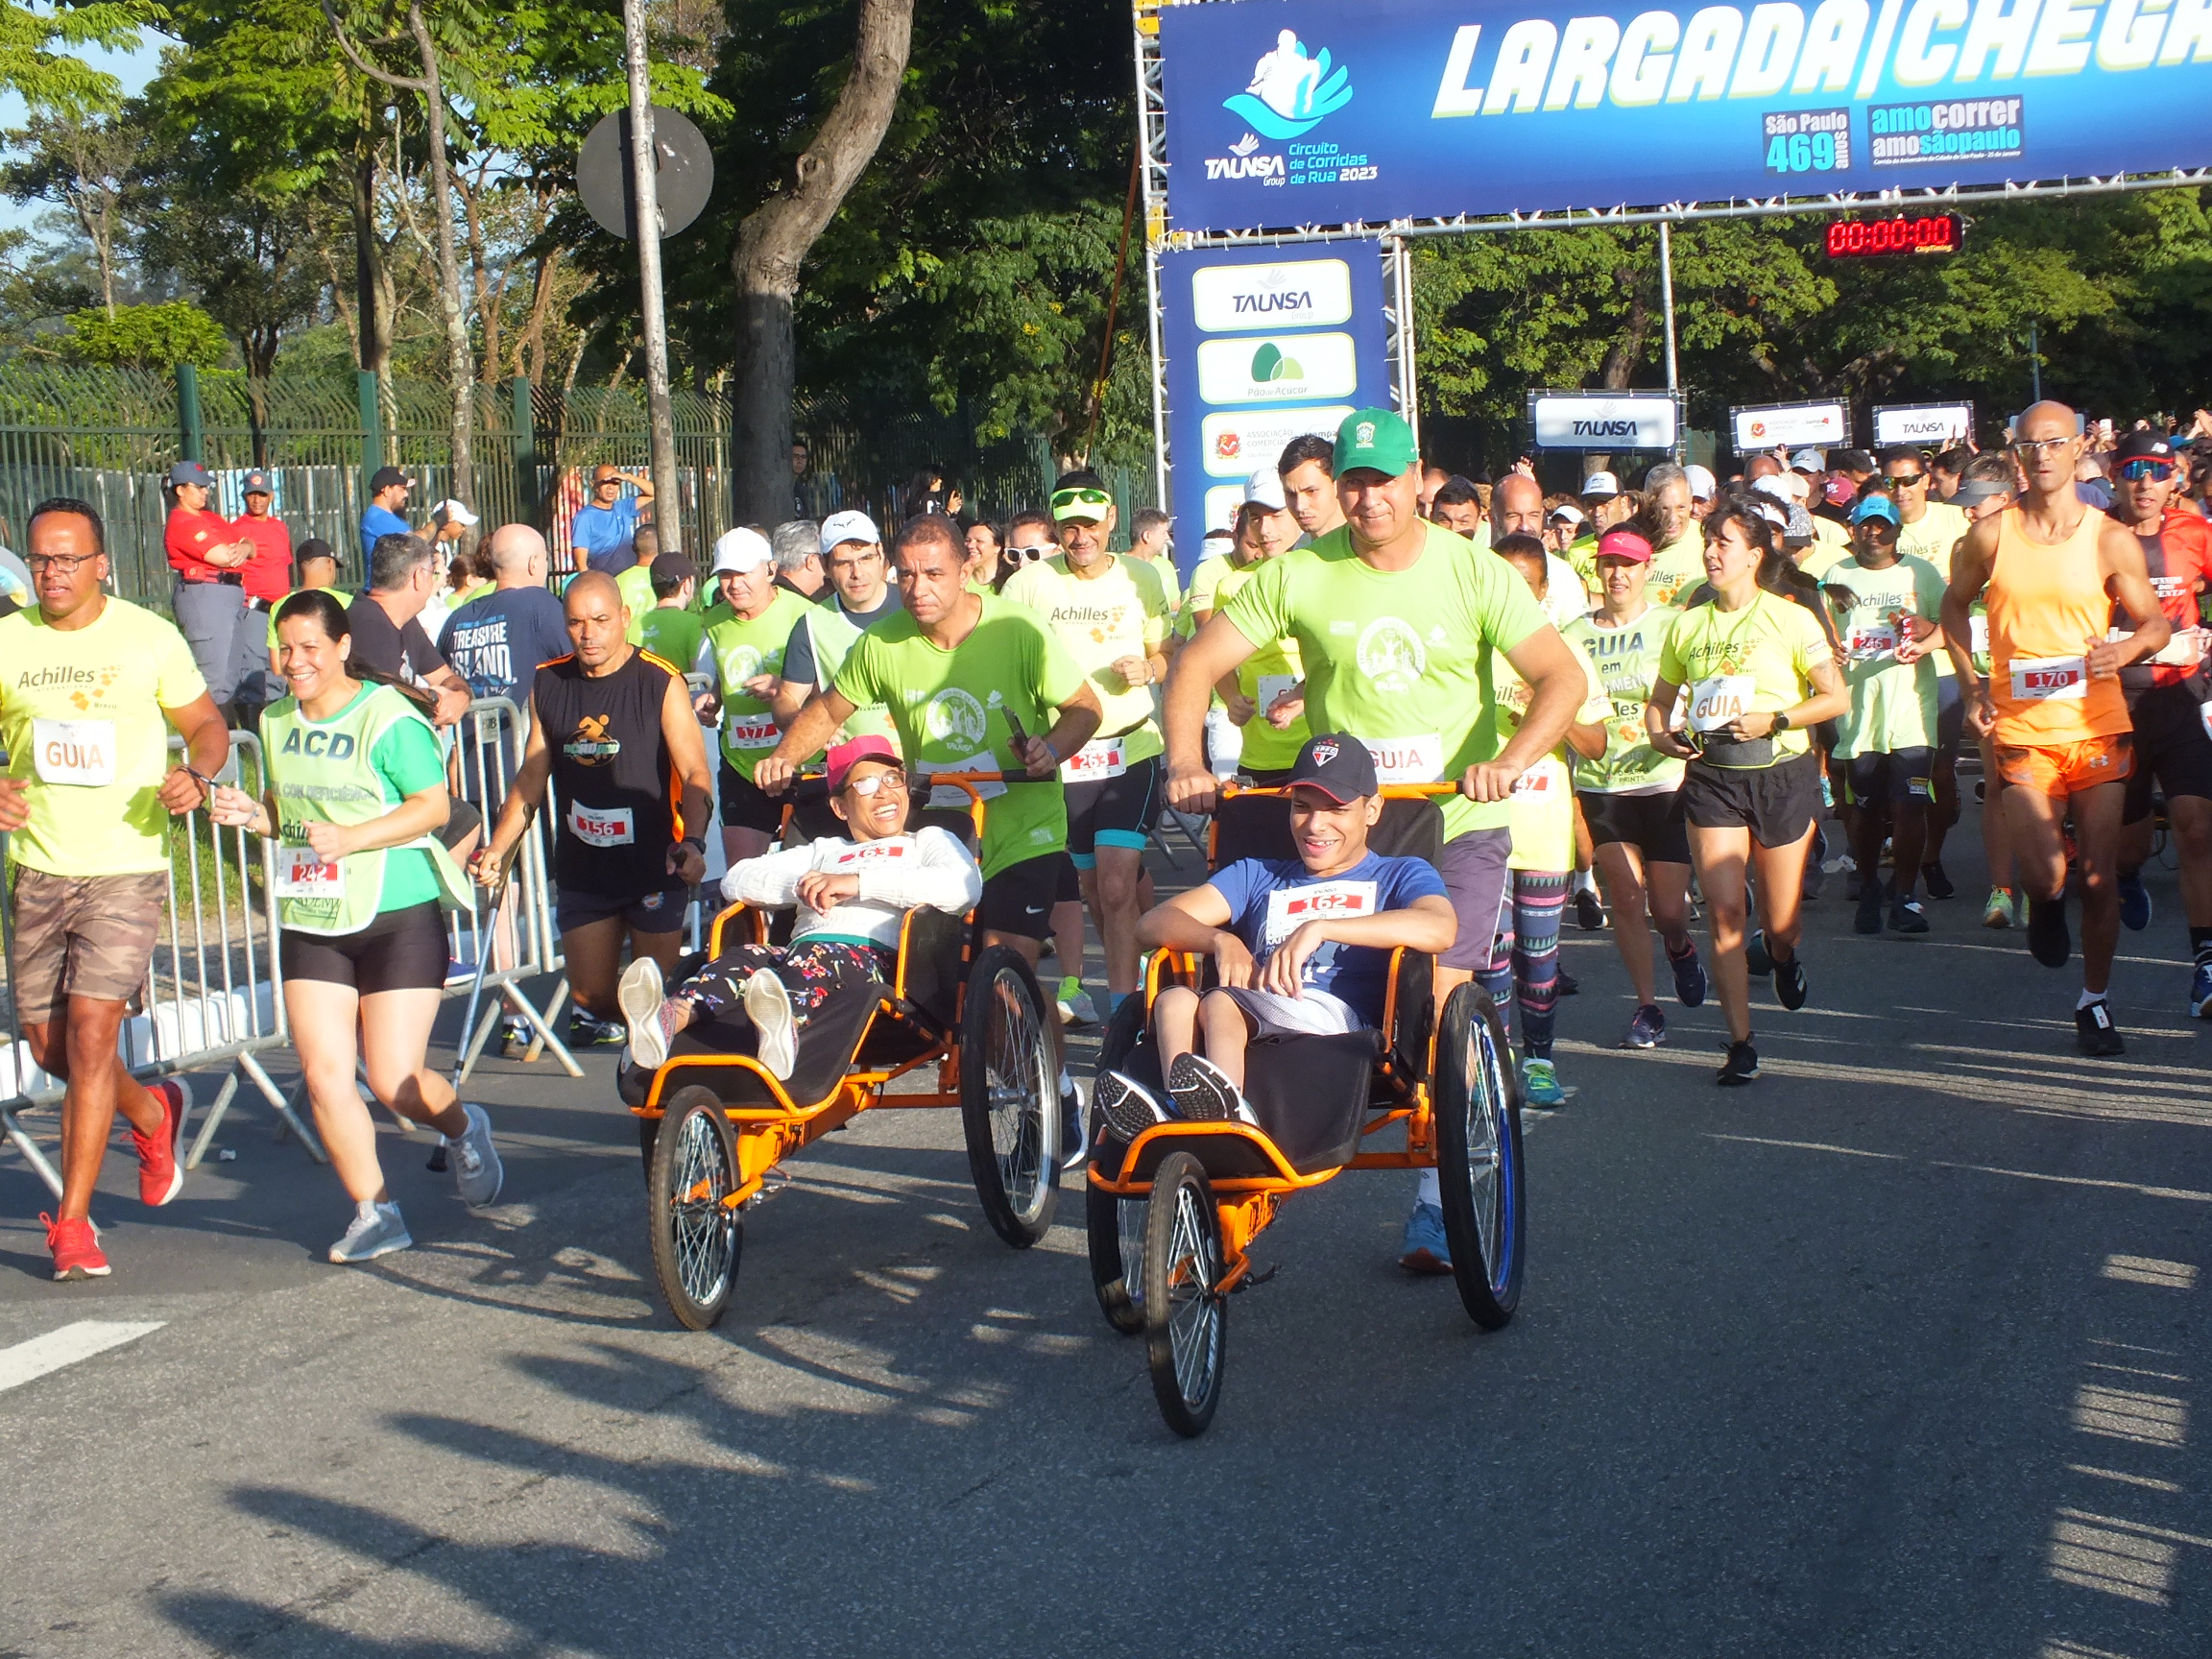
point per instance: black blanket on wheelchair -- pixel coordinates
(1309, 1093)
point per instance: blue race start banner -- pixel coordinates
(1284, 113)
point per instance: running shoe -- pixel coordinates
(1075, 1005)
(590, 1031)
(2096, 1034)
(1540, 1085)
(2049, 941)
(1998, 912)
(1589, 913)
(1427, 1251)
(477, 1172)
(2134, 902)
(768, 1005)
(2200, 991)
(1203, 1093)
(1867, 919)
(647, 1013)
(76, 1249)
(1127, 1107)
(1647, 1029)
(1689, 977)
(1789, 984)
(1565, 984)
(1906, 917)
(516, 1033)
(377, 1230)
(1755, 957)
(1939, 884)
(160, 1177)
(1740, 1065)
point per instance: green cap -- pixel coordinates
(1377, 440)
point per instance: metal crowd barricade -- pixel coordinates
(214, 990)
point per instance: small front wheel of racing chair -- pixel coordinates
(697, 1233)
(1010, 1096)
(1479, 1156)
(1185, 1314)
(1116, 1226)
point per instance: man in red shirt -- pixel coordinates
(209, 559)
(2172, 748)
(268, 576)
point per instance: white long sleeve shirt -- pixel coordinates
(898, 873)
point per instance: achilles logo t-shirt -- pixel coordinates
(1270, 900)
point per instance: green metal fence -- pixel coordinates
(109, 436)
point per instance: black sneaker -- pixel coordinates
(2094, 1031)
(1689, 977)
(2048, 940)
(1906, 917)
(1203, 1093)
(1937, 883)
(1567, 985)
(586, 1031)
(1868, 917)
(1740, 1065)
(1589, 914)
(1789, 984)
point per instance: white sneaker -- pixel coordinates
(768, 1005)
(1127, 1105)
(377, 1230)
(477, 1172)
(641, 998)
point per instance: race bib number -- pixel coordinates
(303, 874)
(1978, 634)
(1407, 759)
(872, 852)
(950, 796)
(1542, 782)
(1288, 908)
(751, 732)
(1715, 702)
(1101, 759)
(1270, 688)
(79, 752)
(2043, 678)
(602, 826)
(1873, 640)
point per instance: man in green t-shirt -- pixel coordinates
(746, 641)
(1397, 621)
(673, 630)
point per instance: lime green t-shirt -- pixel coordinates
(1892, 703)
(1101, 619)
(1754, 661)
(636, 586)
(1170, 583)
(1627, 660)
(1935, 537)
(1401, 660)
(950, 707)
(1677, 568)
(81, 719)
(674, 634)
(744, 649)
(1264, 676)
(1541, 810)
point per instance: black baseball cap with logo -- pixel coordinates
(2144, 446)
(1337, 765)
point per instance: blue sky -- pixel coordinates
(133, 68)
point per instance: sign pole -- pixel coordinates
(1667, 303)
(645, 196)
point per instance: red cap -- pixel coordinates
(1619, 543)
(847, 756)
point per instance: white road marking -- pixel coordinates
(27, 1360)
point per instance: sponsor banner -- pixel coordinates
(1763, 425)
(1262, 345)
(1293, 112)
(1942, 424)
(1603, 419)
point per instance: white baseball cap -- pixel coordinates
(1778, 488)
(1566, 510)
(451, 512)
(1601, 484)
(742, 550)
(1702, 483)
(1264, 488)
(850, 525)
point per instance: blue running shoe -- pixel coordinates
(1756, 960)
(1647, 1030)
(1540, 1084)
(1425, 1249)
(2200, 991)
(2135, 902)
(1689, 977)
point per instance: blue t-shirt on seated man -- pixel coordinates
(1298, 948)
(603, 536)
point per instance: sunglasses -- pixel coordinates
(1909, 480)
(1032, 553)
(2135, 471)
(868, 787)
(1082, 496)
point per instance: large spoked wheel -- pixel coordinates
(1479, 1156)
(1009, 1096)
(1116, 1226)
(697, 1238)
(1185, 1319)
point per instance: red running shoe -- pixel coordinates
(76, 1250)
(160, 1177)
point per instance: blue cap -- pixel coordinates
(255, 483)
(1876, 506)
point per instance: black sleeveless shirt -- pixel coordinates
(614, 785)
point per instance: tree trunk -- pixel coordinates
(773, 243)
(373, 342)
(461, 363)
(1626, 351)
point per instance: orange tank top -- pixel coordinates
(2045, 604)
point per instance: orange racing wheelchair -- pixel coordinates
(1171, 1216)
(713, 1121)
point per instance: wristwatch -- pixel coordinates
(1782, 720)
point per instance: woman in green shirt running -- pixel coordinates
(356, 798)
(1759, 670)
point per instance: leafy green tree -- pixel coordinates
(148, 336)
(39, 47)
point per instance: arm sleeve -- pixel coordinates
(799, 653)
(1154, 595)
(943, 878)
(407, 758)
(1812, 645)
(1236, 884)
(424, 656)
(1413, 879)
(177, 680)
(1929, 586)
(1670, 667)
(858, 678)
(770, 881)
(1261, 608)
(1199, 596)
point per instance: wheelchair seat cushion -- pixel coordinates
(1309, 1093)
(826, 1046)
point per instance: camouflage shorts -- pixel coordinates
(82, 936)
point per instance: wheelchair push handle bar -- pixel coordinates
(1388, 791)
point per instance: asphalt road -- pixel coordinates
(1897, 1352)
